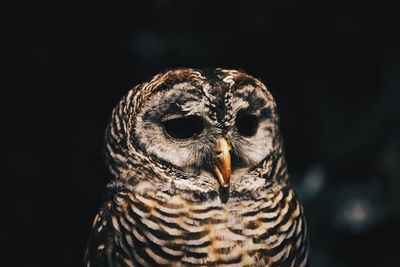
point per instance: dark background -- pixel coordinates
(333, 67)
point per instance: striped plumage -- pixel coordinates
(166, 205)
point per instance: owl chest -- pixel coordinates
(177, 231)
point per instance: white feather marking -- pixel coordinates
(171, 231)
(193, 260)
(187, 183)
(169, 210)
(137, 211)
(155, 257)
(130, 219)
(115, 223)
(192, 228)
(129, 239)
(205, 215)
(229, 80)
(155, 239)
(124, 223)
(138, 236)
(194, 242)
(142, 187)
(150, 224)
(128, 262)
(139, 259)
(171, 251)
(279, 255)
(304, 262)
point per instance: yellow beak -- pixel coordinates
(222, 162)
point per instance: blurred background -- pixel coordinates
(332, 66)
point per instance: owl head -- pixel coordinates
(196, 130)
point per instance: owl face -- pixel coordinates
(207, 126)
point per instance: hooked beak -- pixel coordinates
(222, 162)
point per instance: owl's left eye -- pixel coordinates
(246, 124)
(183, 127)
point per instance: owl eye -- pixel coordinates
(183, 127)
(246, 124)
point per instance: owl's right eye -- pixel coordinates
(183, 127)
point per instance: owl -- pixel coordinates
(199, 177)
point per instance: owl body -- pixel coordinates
(199, 177)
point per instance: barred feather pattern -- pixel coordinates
(149, 220)
(158, 228)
